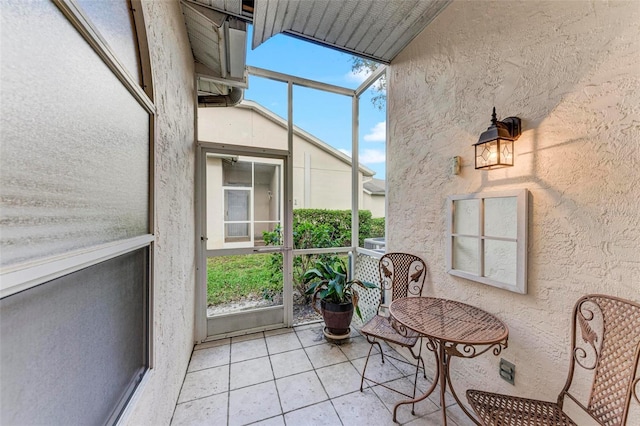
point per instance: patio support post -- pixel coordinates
(355, 181)
(287, 290)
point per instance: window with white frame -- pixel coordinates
(76, 217)
(251, 191)
(487, 238)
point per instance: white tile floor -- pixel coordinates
(296, 377)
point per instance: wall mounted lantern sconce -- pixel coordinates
(494, 149)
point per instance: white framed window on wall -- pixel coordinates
(251, 191)
(76, 198)
(487, 238)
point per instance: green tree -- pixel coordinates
(358, 65)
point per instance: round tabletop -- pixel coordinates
(448, 320)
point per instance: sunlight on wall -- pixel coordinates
(571, 73)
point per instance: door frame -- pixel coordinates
(201, 320)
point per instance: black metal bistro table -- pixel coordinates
(451, 329)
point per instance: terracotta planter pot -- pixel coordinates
(337, 317)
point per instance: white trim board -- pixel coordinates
(25, 276)
(471, 260)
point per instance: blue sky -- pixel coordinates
(324, 115)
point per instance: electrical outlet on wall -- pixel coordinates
(455, 165)
(507, 371)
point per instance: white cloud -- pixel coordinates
(368, 156)
(372, 156)
(358, 77)
(377, 133)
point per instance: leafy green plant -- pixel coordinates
(305, 235)
(330, 282)
(377, 227)
(317, 228)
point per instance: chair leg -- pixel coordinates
(375, 342)
(380, 349)
(419, 358)
(365, 365)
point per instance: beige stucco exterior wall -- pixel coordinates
(330, 177)
(174, 255)
(374, 203)
(238, 126)
(571, 71)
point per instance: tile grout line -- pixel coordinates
(319, 380)
(275, 385)
(392, 354)
(229, 385)
(402, 376)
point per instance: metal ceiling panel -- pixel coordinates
(233, 7)
(375, 29)
(407, 29)
(204, 38)
(339, 25)
(318, 16)
(218, 43)
(327, 23)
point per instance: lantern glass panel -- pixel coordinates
(487, 154)
(506, 152)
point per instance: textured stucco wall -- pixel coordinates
(174, 268)
(571, 71)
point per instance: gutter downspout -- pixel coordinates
(235, 96)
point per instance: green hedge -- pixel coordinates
(319, 228)
(377, 227)
(338, 221)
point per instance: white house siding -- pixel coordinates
(174, 257)
(330, 179)
(374, 203)
(230, 125)
(330, 175)
(570, 70)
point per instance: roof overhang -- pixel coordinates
(218, 43)
(373, 29)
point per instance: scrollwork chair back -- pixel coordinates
(605, 342)
(402, 273)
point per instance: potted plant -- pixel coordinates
(338, 299)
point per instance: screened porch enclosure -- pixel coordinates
(249, 196)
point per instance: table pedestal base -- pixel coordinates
(442, 377)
